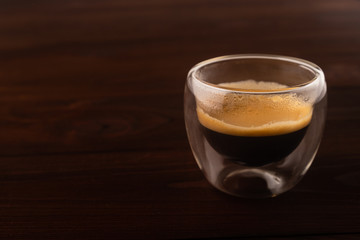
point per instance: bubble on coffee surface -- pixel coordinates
(254, 114)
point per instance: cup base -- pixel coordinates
(251, 183)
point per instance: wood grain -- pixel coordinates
(93, 142)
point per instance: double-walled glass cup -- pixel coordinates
(254, 122)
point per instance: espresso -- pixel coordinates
(254, 129)
(254, 151)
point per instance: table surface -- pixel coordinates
(93, 142)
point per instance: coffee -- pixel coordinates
(254, 129)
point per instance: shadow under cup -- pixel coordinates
(254, 122)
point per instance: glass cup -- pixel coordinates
(254, 122)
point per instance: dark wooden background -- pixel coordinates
(92, 140)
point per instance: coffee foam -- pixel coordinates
(254, 114)
(253, 85)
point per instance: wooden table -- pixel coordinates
(93, 143)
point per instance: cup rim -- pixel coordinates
(319, 74)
